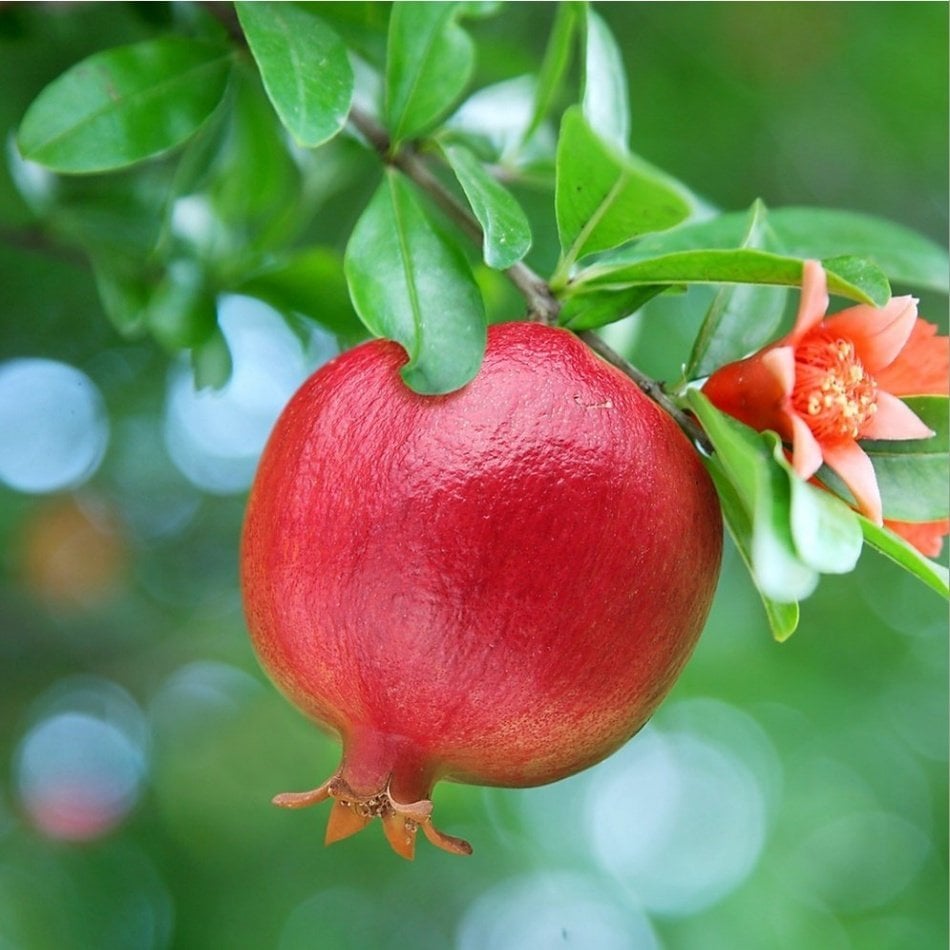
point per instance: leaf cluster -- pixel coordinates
(198, 163)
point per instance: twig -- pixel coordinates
(543, 305)
(33, 238)
(650, 387)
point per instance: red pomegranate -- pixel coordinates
(496, 586)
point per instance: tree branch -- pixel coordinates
(650, 387)
(542, 304)
(34, 238)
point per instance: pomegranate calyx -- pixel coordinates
(303, 799)
(352, 812)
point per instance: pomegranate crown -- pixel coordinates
(352, 812)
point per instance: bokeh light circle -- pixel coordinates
(53, 425)
(860, 860)
(679, 820)
(554, 909)
(199, 696)
(73, 552)
(215, 437)
(80, 767)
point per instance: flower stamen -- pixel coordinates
(833, 392)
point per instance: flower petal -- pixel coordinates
(894, 420)
(878, 333)
(807, 454)
(780, 363)
(923, 368)
(814, 301)
(851, 463)
(754, 390)
(926, 536)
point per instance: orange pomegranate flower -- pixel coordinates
(833, 381)
(926, 536)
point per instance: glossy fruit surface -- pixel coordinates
(496, 586)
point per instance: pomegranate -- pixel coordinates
(495, 586)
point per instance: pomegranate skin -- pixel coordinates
(496, 586)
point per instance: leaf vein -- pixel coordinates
(405, 255)
(595, 219)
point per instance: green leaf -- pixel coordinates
(825, 531)
(742, 317)
(362, 24)
(746, 317)
(597, 309)
(309, 282)
(124, 292)
(860, 273)
(934, 575)
(506, 232)
(124, 105)
(480, 9)
(256, 189)
(933, 412)
(782, 616)
(182, 312)
(780, 570)
(737, 447)
(797, 528)
(493, 120)
(410, 284)
(112, 215)
(429, 62)
(556, 63)
(605, 103)
(913, 475)
(903, 255)
(604, 198)
(211, 362)
(763, 488)
(197, 163)
(738, 266)
(304, 66)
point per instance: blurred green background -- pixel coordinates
(788, 796)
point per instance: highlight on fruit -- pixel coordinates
(496, 586)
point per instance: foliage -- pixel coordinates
(362, 171)
(410, 279)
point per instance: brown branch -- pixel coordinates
(33, 238)
(650, 387)
(543, 305)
